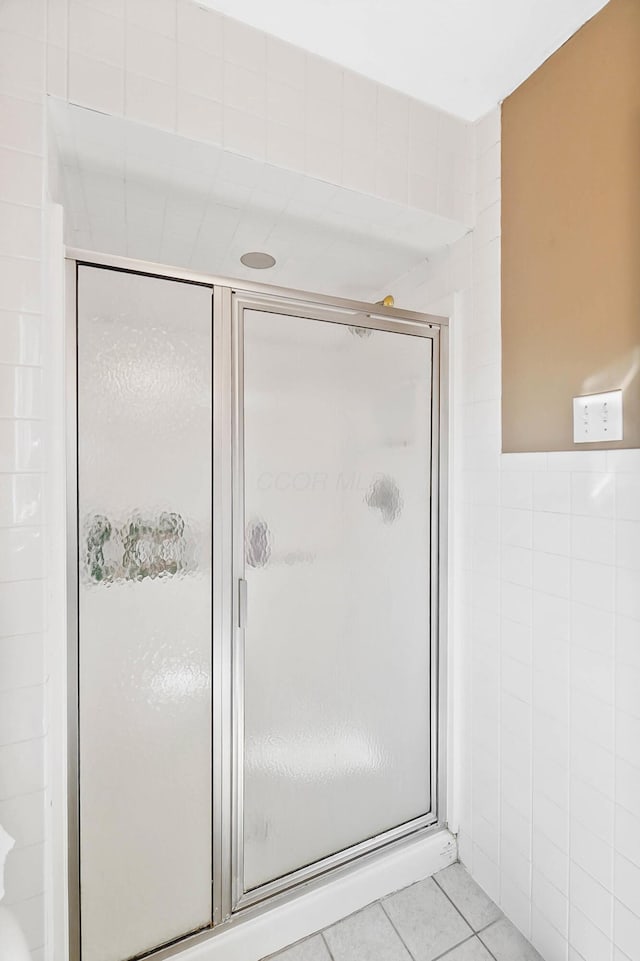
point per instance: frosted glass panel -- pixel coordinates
(144, 506)
(337, 466)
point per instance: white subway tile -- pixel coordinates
(627, 593)
(20, 231)
(592, 716)
(550, 819)
(423, 191)
(95, 84)
(628, 688)
(550, 862)
(150, 101)
(199, 118)
(200, 28)
(628, 737)
(627, 641)
(21, 125)
(551, 533)
(20, 178)
(21, 554)
(23, 17)
(21, 607)
(550, 902)
(21, 662)
(159, 16)
(578, 460)
(626, 879)
(23, 818)
(20, 391)
(20, 284)
(393, 114)
(627, 785)
(593, 764)
(624, 460)
(30, 915)
(22, 768)
(57, 72)
(517, 565)
(24, 874)
(550, 685)
(626, 931)
(21, 715)
(552, 491)
(591, 943)
(593, 538)
(593, 584)
(487, 873)
(516, 640)
(244, 133)
(546, 939)
(488, 131)
(96, 34)
(593, 494)
(517, 527)
(593, 810)
(627, 834)
(244, 45)
(592, 628)
(551, 573)
(592, 854)
(628, 543)
(285, 105)
(627, 496)
(516, 904)
(285, 146)
(516, 603)
(200, 73)
(150, 54)
(286, 63)
(22, 63)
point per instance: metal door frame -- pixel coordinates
(231, 904)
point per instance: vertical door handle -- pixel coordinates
(242, 603)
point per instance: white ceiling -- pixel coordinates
(134, 191)
(463, 56)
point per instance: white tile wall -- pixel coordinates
(22, 616)
(177, 67)
(188, 69)
(549, 609)
(552, 725)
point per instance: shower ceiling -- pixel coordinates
(463, 56)
(134, 191)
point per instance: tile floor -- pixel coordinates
(447, 917)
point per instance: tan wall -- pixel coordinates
(571, 235)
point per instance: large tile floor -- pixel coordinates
(446, 917)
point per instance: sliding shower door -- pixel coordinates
(144, 347)
(336, 605)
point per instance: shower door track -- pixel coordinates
(230, 903)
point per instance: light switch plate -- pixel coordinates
(597, 417)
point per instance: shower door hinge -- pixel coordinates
(242, 603)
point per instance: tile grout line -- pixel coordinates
(326, 944)
(453, 903)
(402, 941)
(475, 933)
(449, 951)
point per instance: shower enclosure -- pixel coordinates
(256, 536)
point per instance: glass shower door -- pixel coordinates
(337, 633)
(144, 606)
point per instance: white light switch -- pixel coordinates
(597, 417)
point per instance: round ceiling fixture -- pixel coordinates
(258, 260)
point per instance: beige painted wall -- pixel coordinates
(571, 235)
